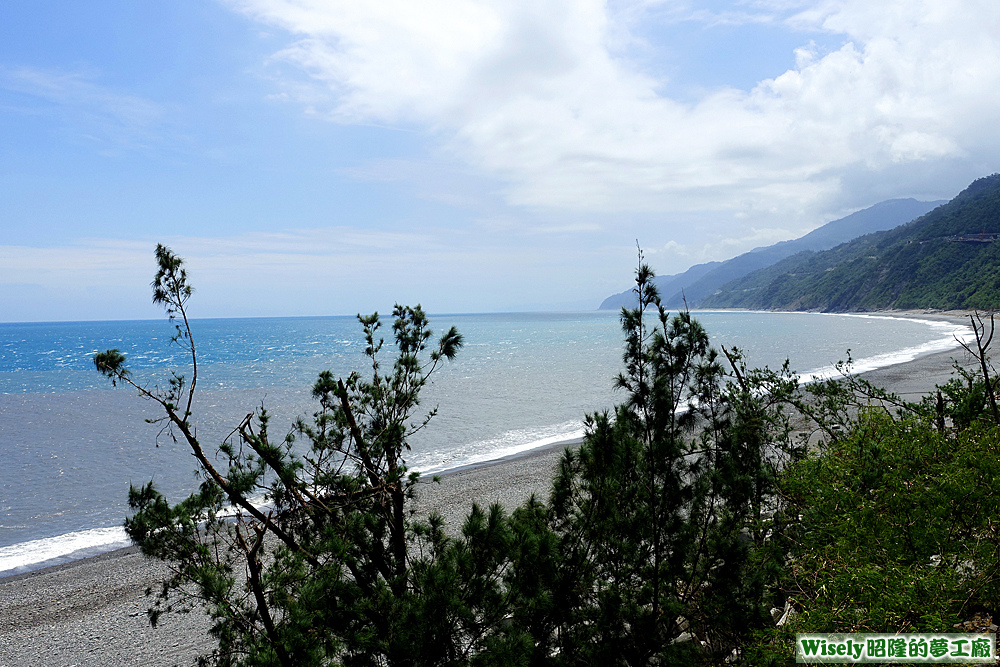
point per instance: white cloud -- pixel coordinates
(59, 266)
(672, 254)
(534, 94)
(94, 110)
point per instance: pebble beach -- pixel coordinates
(92, 612)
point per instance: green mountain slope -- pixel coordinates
(948, 258)
(701, 280)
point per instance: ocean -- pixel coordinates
(70, 444)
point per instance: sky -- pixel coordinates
(319, 157)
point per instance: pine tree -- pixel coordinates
(658, 536)
(324, 572)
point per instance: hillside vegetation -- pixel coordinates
(703, 280)
(945, 259)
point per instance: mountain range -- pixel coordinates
(948, 258)
(703, 280)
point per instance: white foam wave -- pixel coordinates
(36, 554)
(259, 502)
(950, 336)
(508, 443)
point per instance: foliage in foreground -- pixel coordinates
(661, 517)
(686, 522)
(895, 516)
(328, 568)
(899, 531)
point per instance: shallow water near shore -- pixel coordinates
(71, 445)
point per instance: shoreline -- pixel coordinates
(85, 545)
(464, 471)
(91, 611)
(892, 377)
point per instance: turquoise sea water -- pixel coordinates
(71, 445)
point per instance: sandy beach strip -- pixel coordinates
(91, 612)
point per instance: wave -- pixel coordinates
(508, 443)
(36, 554)
(49, 551)
(951, 336)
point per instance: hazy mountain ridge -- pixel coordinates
(702, 280)
(946, 259)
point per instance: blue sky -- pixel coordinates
(314, 157)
